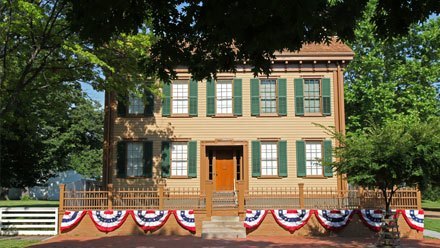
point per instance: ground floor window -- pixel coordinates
(314, 158)
(179, 159)
(269, 159)
(134, 159)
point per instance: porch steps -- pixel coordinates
(223, 227)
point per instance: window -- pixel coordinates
(269, 159)
(312, 96)
(136, 105)
(180, 97)
(135, 156)
(179, 159)
(268, 95)
(313, 159)
(224, 97)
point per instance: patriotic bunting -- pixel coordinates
(186, 219)
(333, 219)
(372, 218)
(71, 219)
(109, 220)
(254, 218)
(414, 218)
(150, 220)
(292, 220)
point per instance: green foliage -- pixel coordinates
(402, 152)
(392, 77)
(210, 36)
(17, 243)
(25, 198)
(29, 203)
(431, 193)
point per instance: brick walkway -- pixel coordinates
(181, 242)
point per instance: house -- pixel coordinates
(238, 128)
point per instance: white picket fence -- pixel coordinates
(28, 221)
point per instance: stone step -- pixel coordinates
(225, 235)
(223, 225)
(225, 218)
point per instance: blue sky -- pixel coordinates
(95, 95)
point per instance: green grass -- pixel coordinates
(430, 204)
(28, 203)
(16, 243)
(432, 224)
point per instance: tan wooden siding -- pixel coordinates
(245, 128)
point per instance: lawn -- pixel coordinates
(17, 243)
(28, 203)
(431, 204)
(432, 224)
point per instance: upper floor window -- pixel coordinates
(180, 97)
(224, 97)
(314, 158)
(136, 105)
(179, 159)
(268, 96)
(269, 159)
(312, 96)
(135, 162)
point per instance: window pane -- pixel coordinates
(136, 105)
(268, 96)
(314, 158)
(135, 152)
(312, 96)
(269, 159)
(180, 97)
(179, 159)
(224, 97)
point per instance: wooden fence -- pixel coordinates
(28, 221)
(299, 197)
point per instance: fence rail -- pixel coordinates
(299, 197)
(28, 221)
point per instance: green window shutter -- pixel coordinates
(210, 97)
(256, 158)
(148, 159)
(282, 158)
(300, 158)
(149, 106)
(237, 97)
(121, 159)
(326, 101)
(122, 108)
(165, 159)
(282, 96)
(192, 159)
(193, 102)
(166, 101)
(299, 96)
(328, 170)
(255, 97)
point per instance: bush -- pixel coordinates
(431, 193)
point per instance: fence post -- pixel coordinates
(208, 193)
(301, 195)
(361, 197)
(110, 196)
(419, 198)
(160, 189)
(241, 193)
(62, 189)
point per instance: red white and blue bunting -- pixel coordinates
(254, 218)
(293, 219)
(414, 218)
(334, 219)
(109, 220)
(372, 218)
(150, 220)
(186, 219)
(71, 219)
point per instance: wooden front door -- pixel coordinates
(224, 170)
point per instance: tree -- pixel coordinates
(211, 36)
(392, 77)
(401, 152)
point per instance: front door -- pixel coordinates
(224, 170)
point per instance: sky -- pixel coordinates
(93, 94)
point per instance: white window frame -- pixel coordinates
(314, 98)
(224, 97)
(179, 159)
(135, 164)
(136, 105)
(180, 100)
(314, 155)
(269, 158)
(263, 100)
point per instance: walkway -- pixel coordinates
(175, 241)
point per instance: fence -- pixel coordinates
(299, 197)
(28, 221)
